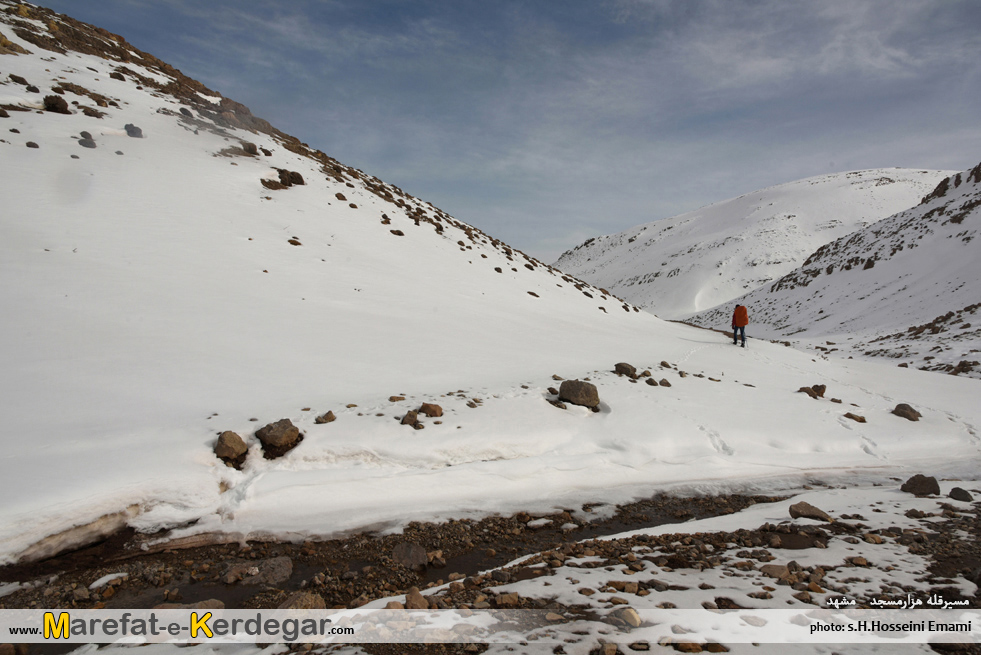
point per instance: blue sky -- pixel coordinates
(545, 122)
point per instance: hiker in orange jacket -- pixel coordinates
(740, 319)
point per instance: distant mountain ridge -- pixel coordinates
(907, 287)
(678, 266)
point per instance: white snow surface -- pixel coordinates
(907, 288)
(685, 264)
(152, 300)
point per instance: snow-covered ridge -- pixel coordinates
(678, 266)
(906, 288)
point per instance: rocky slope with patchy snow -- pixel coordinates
(685, 264)
(907, 288)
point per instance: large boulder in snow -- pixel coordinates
(907, 412)
(230, 448)
(624, 368)
(56, 104)
(431, 410)
(581, 393)
(958, 493)
(278, 438)
(921, 485)
(803, 510)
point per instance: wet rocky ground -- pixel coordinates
(344, 572)
(467, 554)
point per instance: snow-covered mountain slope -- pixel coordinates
(176, 280)
(150, 282)
(685, 264)
(907, 288)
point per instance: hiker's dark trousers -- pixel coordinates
(736, 331)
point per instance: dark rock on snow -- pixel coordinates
(325, 418)
(921, 485)
(809, 391)
(625, 369)
(804, 510)
(133, 131)
(281, 434)
(56, 104)
(230, 446)
(580, 393)
(431, 410)
(960, 494)
(907, 412)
